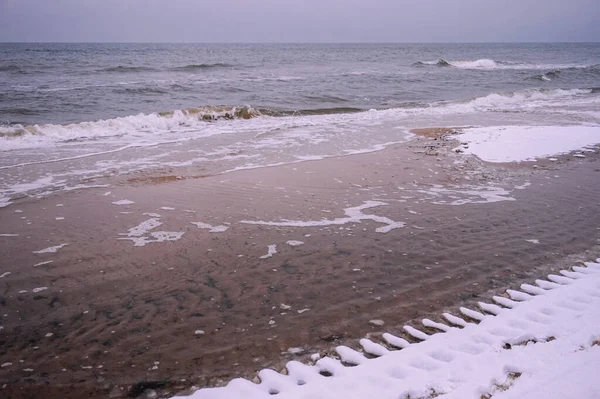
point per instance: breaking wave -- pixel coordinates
(489, 64)
(547, 77)
(199, 119)
(147, 123)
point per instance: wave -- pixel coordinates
(547, 77)
(440, 63)
(160, 121)
(326, 98)
(127, 69)
(9, 68)
(20, 111)
(199, 119)
(516, 101)
(316, 111)
(195, 67)
(490, 64)
(140, 90)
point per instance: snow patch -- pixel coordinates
(526, 143)
(538, 349)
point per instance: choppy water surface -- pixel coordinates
(71, 112)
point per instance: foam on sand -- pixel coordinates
(467, 194)
(294, 243)
(50, 249)
(143, 227)
(211, 228)
(123, 202)
(142, 235)
(542, 344)
(43, 263)
(271, 250)
(526, 143)
(154, 237)
(353, 215)
(9, 235)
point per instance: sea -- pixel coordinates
(78, 115)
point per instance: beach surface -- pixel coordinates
(165, 281)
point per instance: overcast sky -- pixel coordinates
(299, 20)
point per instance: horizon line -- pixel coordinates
(297, 42)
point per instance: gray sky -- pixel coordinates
(299, 20)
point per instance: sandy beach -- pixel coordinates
(169, 280)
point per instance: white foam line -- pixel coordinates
(353, 215)
(50, 249)
(545, 347)
(5, 274)
(93, 154)
(9, 235)
(84, 186)
(43, 263)
(473, 194)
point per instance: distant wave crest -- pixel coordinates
(9, 68)
(490, 64)
(195, 67)
(128, 69)
(548, 76)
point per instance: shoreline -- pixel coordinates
(152, 296)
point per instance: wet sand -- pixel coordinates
(116, 319)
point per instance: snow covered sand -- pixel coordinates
(538, 343)
(526, 143)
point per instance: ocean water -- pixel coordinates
(71, 114)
